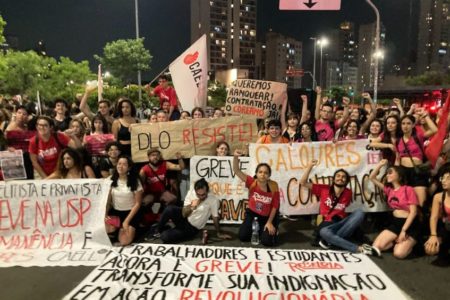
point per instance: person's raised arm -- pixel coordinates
(398, 103)
(372, 115)
(431, 126)
(304, 180)
(283, 114)
(374, 174)
(304, 108)
(318, 103)
(177, 167)
(343, 120)
(84, 107)
(236, 168)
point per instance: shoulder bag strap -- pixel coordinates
(409, 153)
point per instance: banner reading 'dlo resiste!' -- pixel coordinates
(159, 272)
(258, 98)
(53, 222)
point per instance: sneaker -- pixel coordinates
(370, 250)
(324, 244)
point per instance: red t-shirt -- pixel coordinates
(261, 202)
(19, 139)
(152, 184)
(48, 152)
(322, 191)
(96, 143)
(324, 130)
(164, 93)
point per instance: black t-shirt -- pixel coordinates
(62, 125)
(106, 165)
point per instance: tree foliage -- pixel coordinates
(28, 72)
(2, 27)
(217, 94)
(123, 58)
(429, 78)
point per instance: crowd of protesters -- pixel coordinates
(74, 142)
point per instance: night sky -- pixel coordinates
(80, 28)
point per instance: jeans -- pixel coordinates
(337, 233)
(183, 230)
(245, 230)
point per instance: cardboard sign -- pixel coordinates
(288, 162)
(191, 137)
(53, 222)
(153, 271)
(257, 98)
(224, 184)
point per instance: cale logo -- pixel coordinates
(190, 58)
(194, 66)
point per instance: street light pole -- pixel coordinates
(136, 13)
(377, 51)
(322, 42)
(314, 61)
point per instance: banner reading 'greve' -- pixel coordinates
(258, 98)
(191, 137)
(53, 222)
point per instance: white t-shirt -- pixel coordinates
(122, 196)
(206, 208)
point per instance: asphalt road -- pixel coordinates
(415, 276)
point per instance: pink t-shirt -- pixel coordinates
(322, 191)
(259, 201)
(401, 198)
(324, 130)
(413, 147)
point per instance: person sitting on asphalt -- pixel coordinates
(404, 229)
(337, 226)
(199, 206)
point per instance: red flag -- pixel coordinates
(437, 141)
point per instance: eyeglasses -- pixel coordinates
(42, 125)
(327, 111)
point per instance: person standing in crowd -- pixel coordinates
(125, 201)
(121, 126)
(218, 113)
(95, 143)
(411, 153)
(109, 163)
(351, 131)
(439, 240)
(165, 92)
(404, 229)
(263, 203)
(274, 136)
(104, 106)
(62, 120)
(161, 116)
(45, 146)
(387, 140)
(337, 226)
(325, 126)
(197, 113)
(307, 133)
(222, 149)
(199, 206)
(375, 129)
(70, 166)
(18, 136)
(185, 115)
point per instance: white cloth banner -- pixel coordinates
(190, 75)
(152, 271)
(288, 162)
(224, 184)
(53, 222)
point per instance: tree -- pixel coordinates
(123, 58)
(429, 78)
(2, 27)
(217, 94)
(27, 72)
